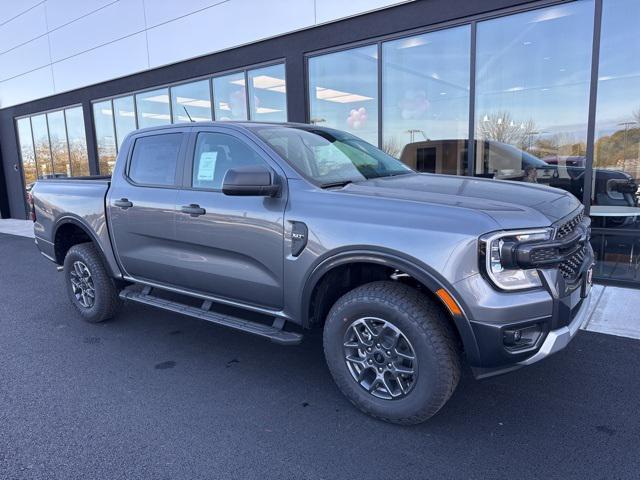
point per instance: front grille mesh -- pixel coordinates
(543, 255)
(569, 226)
(570, 267)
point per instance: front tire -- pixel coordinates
(89, 287)
(392, 352)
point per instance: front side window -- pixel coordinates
(77, 141)
(58, 138)
(343, 91)
(105, 136)
(327, 156)
(155, 158)
(533, 73)
(215, 154)
(153, 108)
(27, 153)
(125, 117)
(425, 100)
(230, 97)
(191, 102)
(615, 191)
(41, 145)
(268, 94)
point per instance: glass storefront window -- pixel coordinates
(105, 136)
(425, 100)
(230, 97)
(41, 145)
(125, 117)
(191, 102)
(533, 73)
(343, 91)
(268, 94)
(58, 139)
(77, 141)
(153, 108)
(27, 154)
(614, 200)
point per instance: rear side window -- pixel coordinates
(154, 159)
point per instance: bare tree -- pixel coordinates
(501, 127)
(392, 147)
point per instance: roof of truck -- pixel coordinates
(228, 123)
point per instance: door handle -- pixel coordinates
(123, 203)
(193, 209)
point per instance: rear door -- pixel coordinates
(142, 204)
(233, 248)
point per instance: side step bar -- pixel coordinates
(275, 333)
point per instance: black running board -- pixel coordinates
(275, 332)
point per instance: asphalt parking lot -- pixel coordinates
(157, 395)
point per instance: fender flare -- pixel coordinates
(416, 269)
(78, 222)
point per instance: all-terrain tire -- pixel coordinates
(105, 302)
(429, 331)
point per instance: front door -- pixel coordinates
(142, 205)
(231, 246)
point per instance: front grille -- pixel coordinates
(570, 267)
(543, 255)
(569, 226)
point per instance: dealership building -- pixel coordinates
(535, 91)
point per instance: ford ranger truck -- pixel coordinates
(275, 229)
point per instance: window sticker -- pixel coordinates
(207, 166)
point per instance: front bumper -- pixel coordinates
(558, 339)
(558, 311)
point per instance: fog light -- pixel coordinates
(520, 338)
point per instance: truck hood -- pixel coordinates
(510, 204)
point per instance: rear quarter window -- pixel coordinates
(154, 159)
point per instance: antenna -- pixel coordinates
(187, 112)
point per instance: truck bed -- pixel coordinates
(77, 200)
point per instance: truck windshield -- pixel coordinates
(330, 157)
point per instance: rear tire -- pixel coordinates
(370, 336)
(89, 287)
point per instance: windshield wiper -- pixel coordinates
(343, 183)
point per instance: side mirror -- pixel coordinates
(255, 180)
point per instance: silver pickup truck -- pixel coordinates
(274, 229)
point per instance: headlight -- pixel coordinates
(496, 254)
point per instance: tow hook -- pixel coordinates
(60, 268)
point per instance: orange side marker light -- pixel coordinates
(449, 302)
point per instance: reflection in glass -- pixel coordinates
(532, 92)
(614, 195)
(77, 142)
(125, 117)
(155, 159)
(105, 136)
(268, 94)
(153, 108)
(191, 102)
(343, 91)
(41, 145)
(58, 139)
(425, 92)
(27, 153)
(230, 97)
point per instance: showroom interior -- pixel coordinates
(442, 85)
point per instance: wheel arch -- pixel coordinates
(392, 261)
(70, 231)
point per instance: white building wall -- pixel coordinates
(52, 46)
